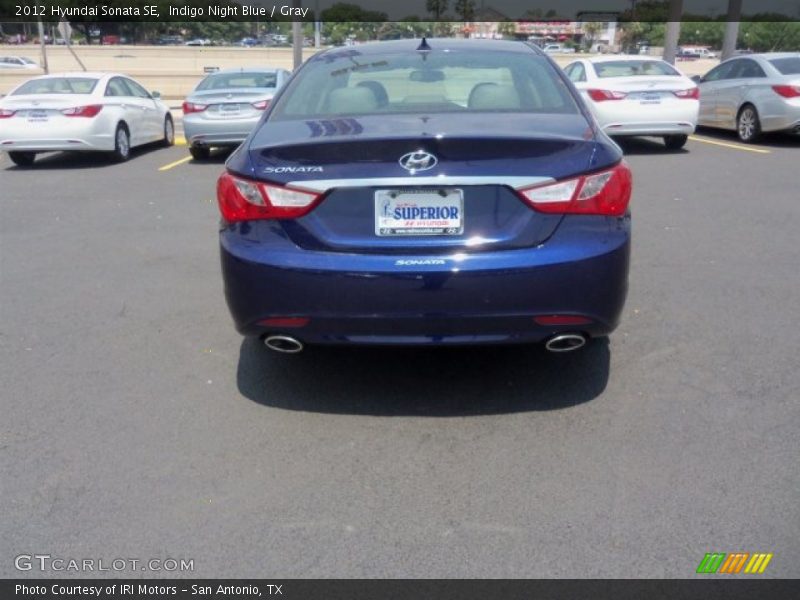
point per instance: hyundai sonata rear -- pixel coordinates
(638, 95)
(226, 105)
(433, 192)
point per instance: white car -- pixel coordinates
(17, 62)
(695, 51)
(638, 95)
(81, 111)
(558, 49)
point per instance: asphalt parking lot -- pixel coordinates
(137, 423)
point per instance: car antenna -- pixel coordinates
(423, 46)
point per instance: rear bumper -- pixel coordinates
(620, 129)
(92, 143)
(785, 119)
(21, 135)
(205, 132)
(675, 118)
(486, 297)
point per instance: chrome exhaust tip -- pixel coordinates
(283, 343)
(566, 342)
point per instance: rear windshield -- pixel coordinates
(223, 81)
(633, 68)
(57, 85)
(345, 82)
(787, 66)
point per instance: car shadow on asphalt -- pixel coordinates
(55, 161)
(433, 382)
(218, 156)
(642, 145)
(767, 140)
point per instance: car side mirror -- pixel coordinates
(156, 95)
(696, 78)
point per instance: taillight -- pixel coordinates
(244, 200)
(263, 105)
(787, 91)
(191, 107)
(604, 193)
(5, 113)
(602, 95)
(83, 111)
(690, 94)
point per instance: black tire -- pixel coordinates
(675, 142)
(748, 125)
(22, 159)
(200, 152)
(122, 144)
(169, 132)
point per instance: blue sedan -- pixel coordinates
(433, 192)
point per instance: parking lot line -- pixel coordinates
(180, 140)
(729, 145)
(171, 165)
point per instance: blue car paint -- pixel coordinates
(581, 270)
(360, 288)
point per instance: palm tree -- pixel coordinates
(437, 7)
(465, 8)
(590, 31)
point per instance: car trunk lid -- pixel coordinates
(476, 167)
(232, 103)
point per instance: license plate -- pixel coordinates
(37, 115)
(648, 98)
(419, 212)
(229, 109)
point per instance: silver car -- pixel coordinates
(17, 62)
(226, 105)
(752, 94)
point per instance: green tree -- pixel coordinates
(703, 33)
(635, 33)
(436, 7)
(508, 29)
(647, 11)
(771, 36)
(345, 12)
(445, 28)
(465, 8)
(590, 30)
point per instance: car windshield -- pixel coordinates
(633, 68)
(27, 61)
(222, 81)
(57, 85)
(347, 82)
(787, 66)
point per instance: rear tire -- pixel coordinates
(200, 152)
(675, 142)
(169, 132)
(748, 125)
(22, 159)
(122, 144)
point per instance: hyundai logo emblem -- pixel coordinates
(418, 161)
